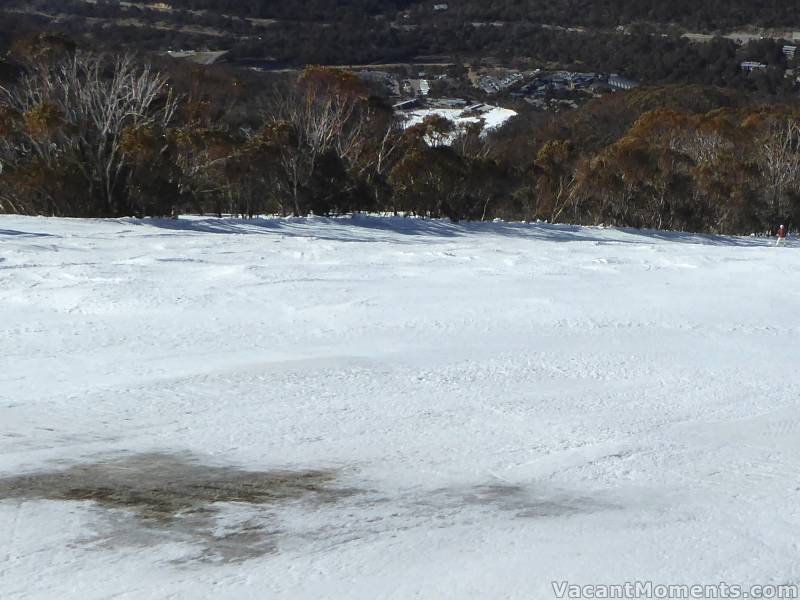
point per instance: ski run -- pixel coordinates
(388, 408)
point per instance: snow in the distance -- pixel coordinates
(505, 404)
(493, 117)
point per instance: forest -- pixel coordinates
(84, 133)
(273, 34)
(707, 16)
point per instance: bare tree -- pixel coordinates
(779, 159)
(80, 108)
(326, 113)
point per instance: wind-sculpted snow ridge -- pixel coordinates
(392, 408)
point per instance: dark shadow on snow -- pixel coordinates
(31, 234)
(364, 229)
(389, 229)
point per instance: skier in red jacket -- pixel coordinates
(781, 236)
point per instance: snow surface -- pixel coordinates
(514, 404)
(493, 117)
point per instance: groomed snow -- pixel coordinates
(510, 404)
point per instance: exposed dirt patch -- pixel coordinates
(223, 514)
(178, 497)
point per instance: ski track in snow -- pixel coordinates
(512, 404)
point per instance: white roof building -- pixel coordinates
(750, 65)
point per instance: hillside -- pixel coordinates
(654, 42)
(420, 408)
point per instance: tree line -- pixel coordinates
(706, 16)
(709, 16)
(92, 135)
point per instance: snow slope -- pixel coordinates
(492, 117)
(505, 404)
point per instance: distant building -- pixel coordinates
(201, 57)
(407, 104)
(421, 87)
(790, 51)
(390, 83)
(448, 103)
(622, 83)
(492, 84)
(417, 87)
(474, 108)
(750, 66)
(598, 88)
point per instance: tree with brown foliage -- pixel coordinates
(71, 117)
